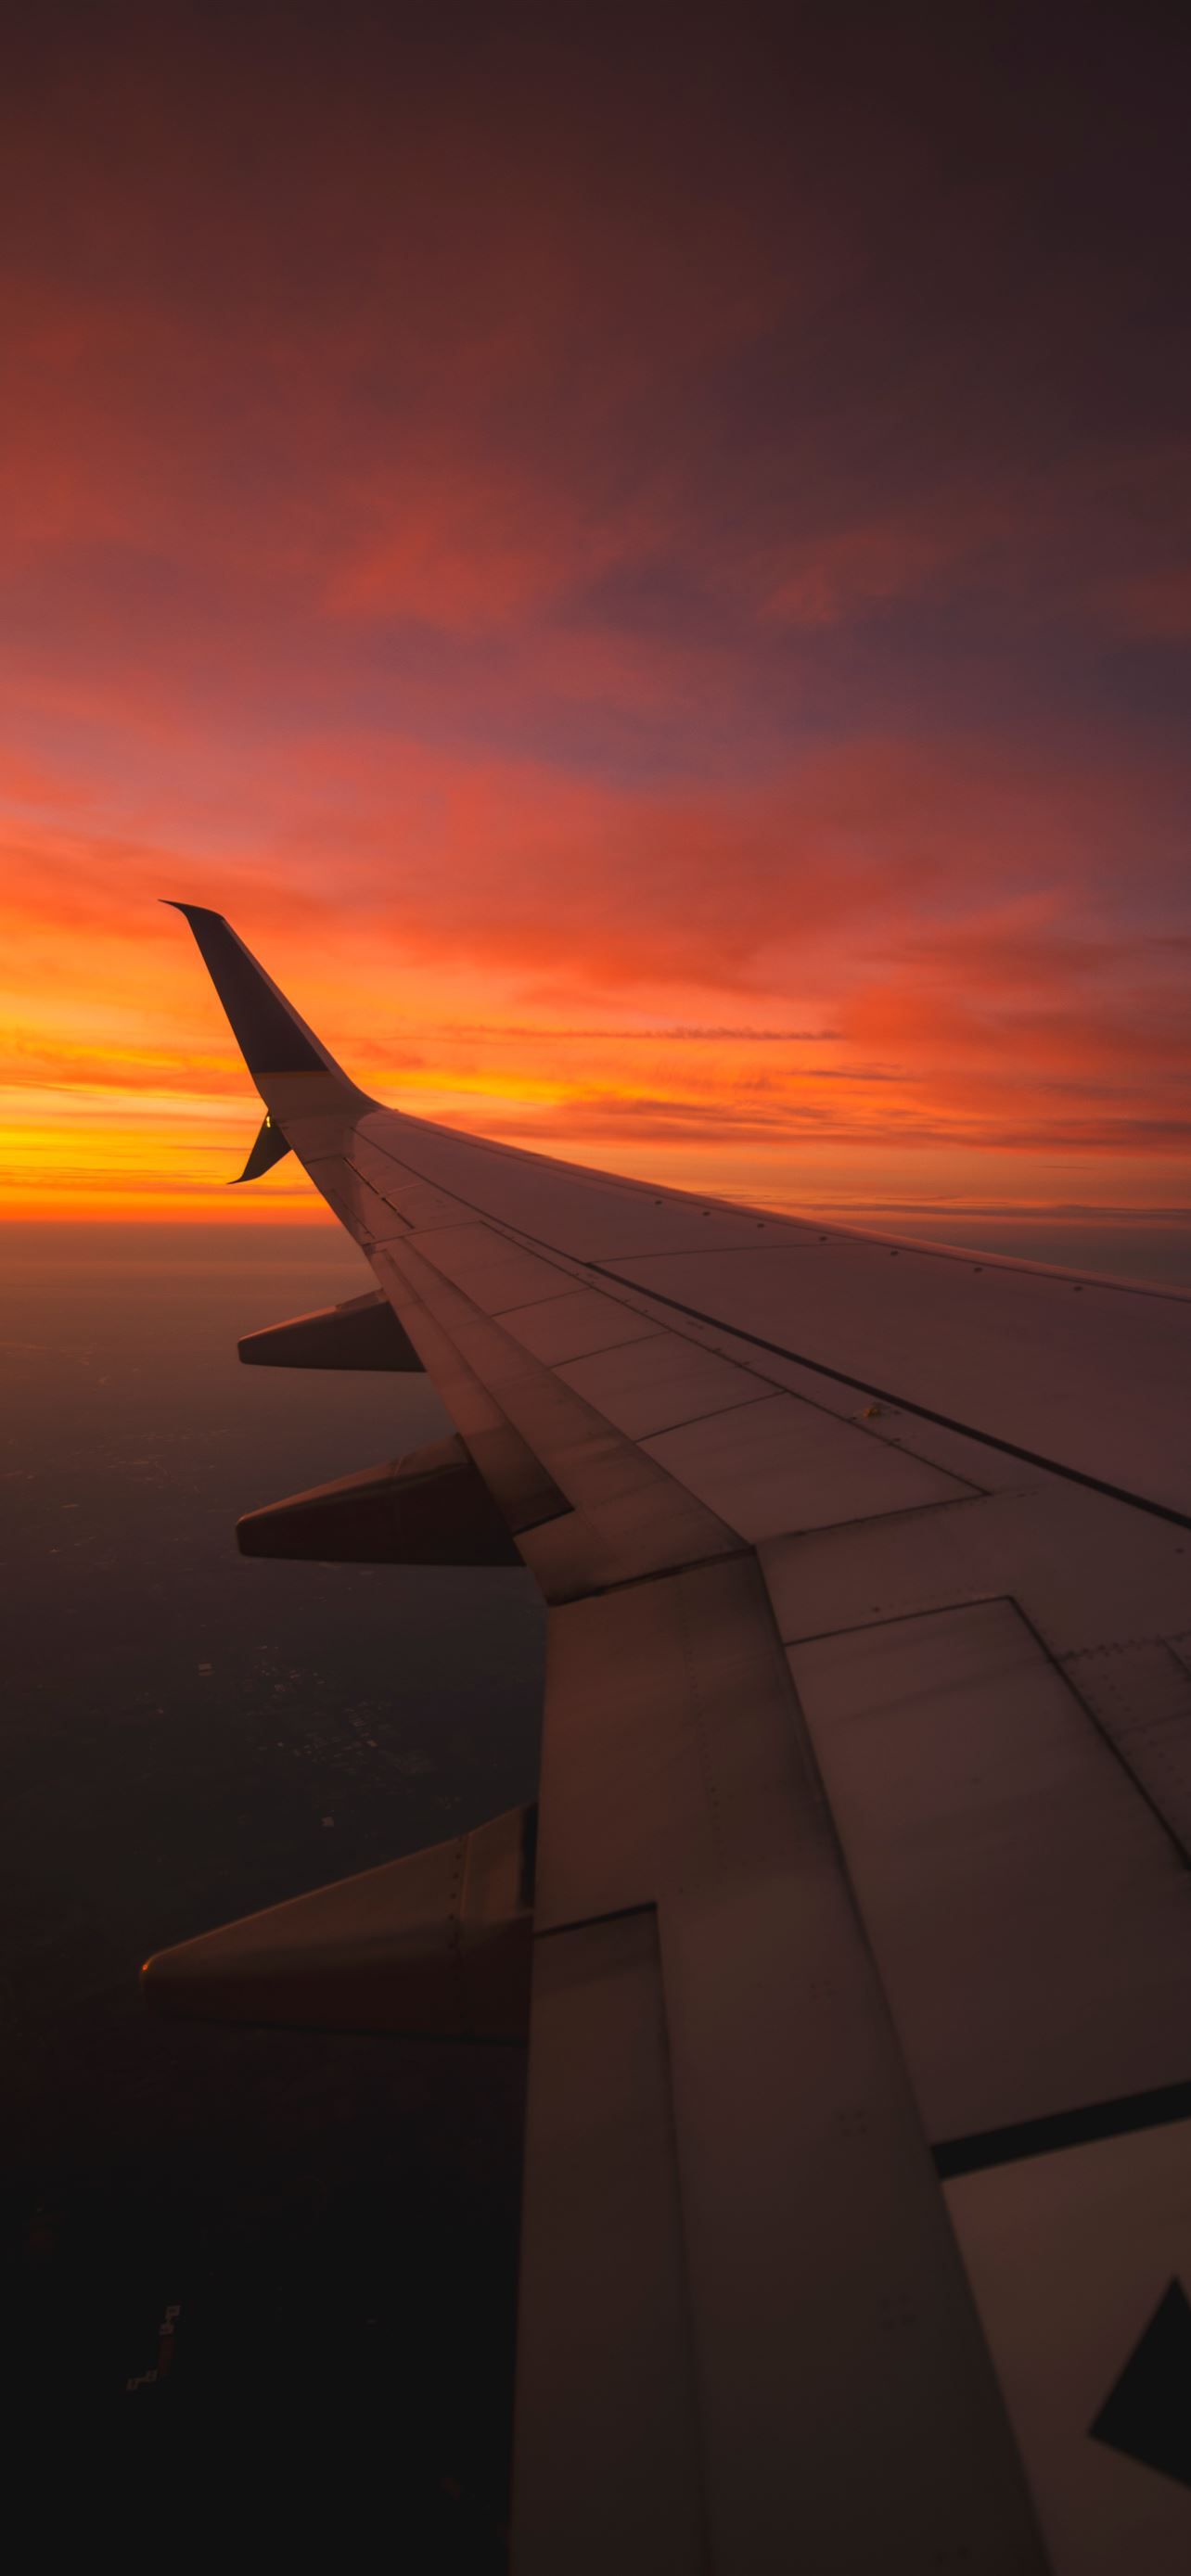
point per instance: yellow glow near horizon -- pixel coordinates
(126, 1095)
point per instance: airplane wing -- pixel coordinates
(853, 1918)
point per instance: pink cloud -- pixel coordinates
(540, 539)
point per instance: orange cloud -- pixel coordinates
(573, 552)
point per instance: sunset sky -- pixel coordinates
(642, 561)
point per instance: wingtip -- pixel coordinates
(190, 911)
(272, 1037)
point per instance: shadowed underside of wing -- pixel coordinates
(860, 2083)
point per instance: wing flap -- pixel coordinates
(821, 2277)
(612, 2478)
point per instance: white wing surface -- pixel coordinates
(857, 2221)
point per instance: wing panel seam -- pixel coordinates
(906, 1404)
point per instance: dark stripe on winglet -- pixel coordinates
(268, 1032)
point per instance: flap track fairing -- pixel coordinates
(431, 1507)
(363, 1333)
(436, 1946)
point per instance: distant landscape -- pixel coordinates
(188, 1737)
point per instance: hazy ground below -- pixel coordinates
(188, 1736)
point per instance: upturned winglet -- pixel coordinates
(271, 1147)
(272, 1037)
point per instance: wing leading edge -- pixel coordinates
(860, 1986)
